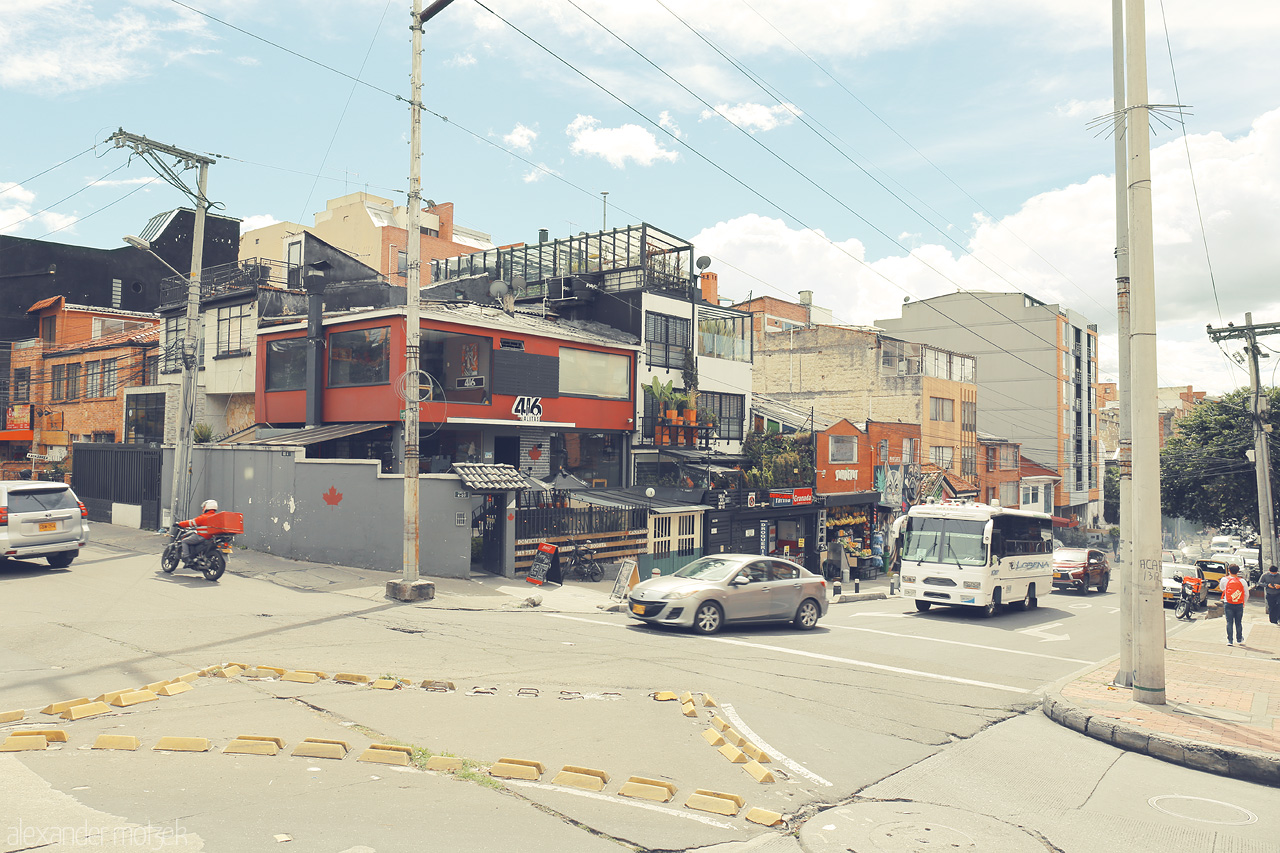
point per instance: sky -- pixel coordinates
(871, 151)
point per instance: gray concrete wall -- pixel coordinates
(334, 510)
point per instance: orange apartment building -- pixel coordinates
(67, 384)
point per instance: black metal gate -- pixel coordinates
(489, 522)
(103, 474)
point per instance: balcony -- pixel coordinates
(229, 278)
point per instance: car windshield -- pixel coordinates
(1171, 572)
(709, 569)
(1070, 555)
(944, 540)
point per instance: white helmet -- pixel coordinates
(209, 506)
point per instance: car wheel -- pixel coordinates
(1105, 582)
(169, 558)
(992, 607)
(923, 606)
(1025, 603)
(1084, 587)
(806, 615)
(216, 565)
(708, 618)
(62, 559)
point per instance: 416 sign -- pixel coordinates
(527, 408)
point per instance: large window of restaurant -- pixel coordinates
(594, 458)
(144, 419)
(287, 364)
(360, 357)
(588, 373)
(460, 365)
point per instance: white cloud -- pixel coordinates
(1058, 248)
(755, 117)
(258, 220)
(665, 120)
(538, 173)
(1076, 109)
(120, 182)
(521, 137)
(16, 214)
(617, 145)
(60, 46)
(461, 60)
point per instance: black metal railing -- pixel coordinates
(225, 278)
(551, 521)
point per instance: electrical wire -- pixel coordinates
(50, 208)
(47, 171)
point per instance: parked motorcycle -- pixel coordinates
(210, 560)
(1188, 601)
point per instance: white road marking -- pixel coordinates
(881, 615)
(622, 801)
(869, 665)
(1080, 606)
(744, 730)
(1042, 631)
(958, 643)
(1113, 609)
(580, 619)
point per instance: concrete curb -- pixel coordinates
(849, 597)
(1234, 762)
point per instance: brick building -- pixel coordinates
(999, 470)
(68, 384)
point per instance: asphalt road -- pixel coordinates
(888, 730)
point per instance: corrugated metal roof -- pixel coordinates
(314, 435)
(479, 477)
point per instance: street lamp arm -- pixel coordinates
(139, 243)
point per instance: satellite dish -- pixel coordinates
(649, 492)
(518, 283)
(430, 204)
(499, 289)
(703, 262)
(906, 299)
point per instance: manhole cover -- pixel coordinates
(912, 828)
(1202, 809)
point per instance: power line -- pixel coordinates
(47, 171)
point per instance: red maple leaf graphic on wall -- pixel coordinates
(333, 497)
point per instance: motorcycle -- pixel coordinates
(210, 560)
(1187, 601)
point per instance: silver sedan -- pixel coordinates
(721, 588)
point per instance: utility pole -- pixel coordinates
(604, 210)
(1261, 429)
(1148, 650)
(411, 587)
(1124, 675)
(150, 151)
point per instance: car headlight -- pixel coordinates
(908, 578)
(679, 594)
(973, 584)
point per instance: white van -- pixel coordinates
(1224, 544)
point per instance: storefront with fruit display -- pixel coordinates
(855, 525)
(786, 523)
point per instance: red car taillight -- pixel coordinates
(84, 512)
(4, 516)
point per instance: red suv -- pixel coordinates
(1080, 568)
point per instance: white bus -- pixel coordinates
(966, 554)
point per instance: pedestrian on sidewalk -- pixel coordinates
(1234, 595)
(1271, 583)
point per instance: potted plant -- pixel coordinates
(679, 403)
(708, 417)
(689, 373)
(661, 393)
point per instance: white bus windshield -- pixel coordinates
(944, 540)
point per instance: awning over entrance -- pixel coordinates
(16, 435)
(314, 435)
(479, 477)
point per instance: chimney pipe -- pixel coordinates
(710, 288)
(543, 235)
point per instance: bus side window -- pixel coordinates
(997, 544)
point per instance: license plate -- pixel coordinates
(1057, 575)
(637, 608)
(226, 549)
(48, 526)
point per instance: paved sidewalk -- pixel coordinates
(1222, 711)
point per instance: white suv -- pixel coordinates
(41, 519)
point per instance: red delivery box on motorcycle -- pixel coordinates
(226, 522)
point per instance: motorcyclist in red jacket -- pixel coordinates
(198, 539)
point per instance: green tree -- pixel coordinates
(1204, 474)
(779, 461)
(1111, 495)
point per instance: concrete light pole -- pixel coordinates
(190, 339)
(411, 587)
(1148, 607)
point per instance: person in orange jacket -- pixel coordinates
(1234, 595)
(198, 539)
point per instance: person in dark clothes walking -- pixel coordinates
(1234, 595)
(1271, 584)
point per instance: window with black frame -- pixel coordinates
(459, 363)
(360, 357)
(729, 411)
(144, 419)
(22, 385)
(233, 322)
(286, 364)
(666, 339)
